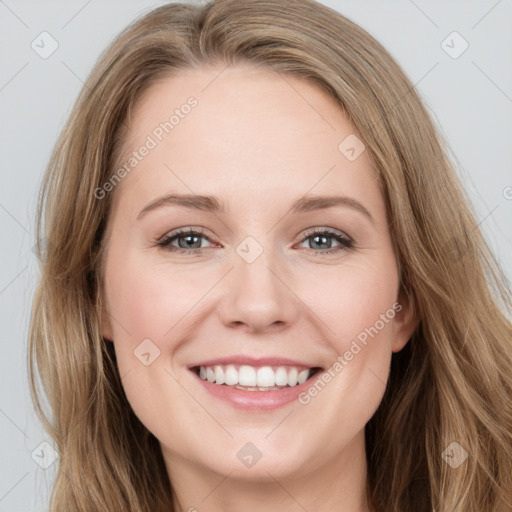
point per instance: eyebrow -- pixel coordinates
(215, 205)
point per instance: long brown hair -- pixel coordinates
(452, 383)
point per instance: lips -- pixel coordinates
(254, 383)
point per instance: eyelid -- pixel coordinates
(183, 231)
(323, 229)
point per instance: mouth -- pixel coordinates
(255, 378)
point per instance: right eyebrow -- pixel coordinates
(197, 202)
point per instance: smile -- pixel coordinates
(254, 384)
(250, 378)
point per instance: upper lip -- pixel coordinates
(253, 361)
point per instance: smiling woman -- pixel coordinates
(266, 308)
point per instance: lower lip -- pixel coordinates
(257, 400)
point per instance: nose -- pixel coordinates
(257, 298)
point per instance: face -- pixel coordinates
(260, 281)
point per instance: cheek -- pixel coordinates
(148, 301)
(354, 301)
(359, 311)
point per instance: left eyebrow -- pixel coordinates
(311, 203)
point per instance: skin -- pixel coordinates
(257, 140)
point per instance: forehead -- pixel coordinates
(250, 128)
(236, 102)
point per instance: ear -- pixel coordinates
(105, 324)
(405, 322)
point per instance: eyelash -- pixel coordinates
(345, 241)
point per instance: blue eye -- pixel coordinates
(323, 237)
(189, 241)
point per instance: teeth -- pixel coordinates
(247, 376)
(303, 376)
(231, 375)
(264, 378)
(292, 377)
(210, 374)
(281, 377)
(219, 375)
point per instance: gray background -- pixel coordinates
(470, 98)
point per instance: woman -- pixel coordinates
(264, 287)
